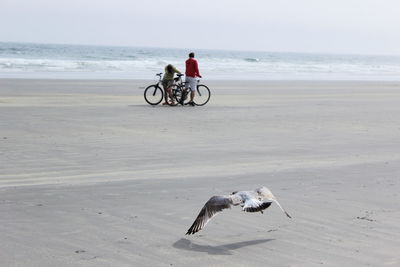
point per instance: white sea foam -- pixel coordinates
(67, 61)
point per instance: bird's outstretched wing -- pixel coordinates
(214, 205)
(254, 205)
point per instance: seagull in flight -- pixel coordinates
(250, 201)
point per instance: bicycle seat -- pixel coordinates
(179, 75)
(159, 74)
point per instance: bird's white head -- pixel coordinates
(265, 193)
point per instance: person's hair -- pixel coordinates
(191, 54)
(170, 68)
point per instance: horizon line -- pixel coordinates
(207, 49)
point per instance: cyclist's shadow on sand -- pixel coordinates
(160, 106)
(226, 249)
(140, 105)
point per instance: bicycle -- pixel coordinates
(181, 93)
(154, 94)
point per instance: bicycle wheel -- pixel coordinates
(153, 95)
(180, 93)
(203, 95)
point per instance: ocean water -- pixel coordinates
(27, 60)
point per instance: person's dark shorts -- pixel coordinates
(167, 83)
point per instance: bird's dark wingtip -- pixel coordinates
(190, 232)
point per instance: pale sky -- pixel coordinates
(332, 26)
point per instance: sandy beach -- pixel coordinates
(91, 175)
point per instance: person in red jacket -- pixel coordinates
(192, 71)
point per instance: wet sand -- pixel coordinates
(91, 175)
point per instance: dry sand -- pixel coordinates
(91, 175)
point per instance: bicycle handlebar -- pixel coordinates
(178, 75)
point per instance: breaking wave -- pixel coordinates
(25, 60)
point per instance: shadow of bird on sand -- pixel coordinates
(226, 249)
